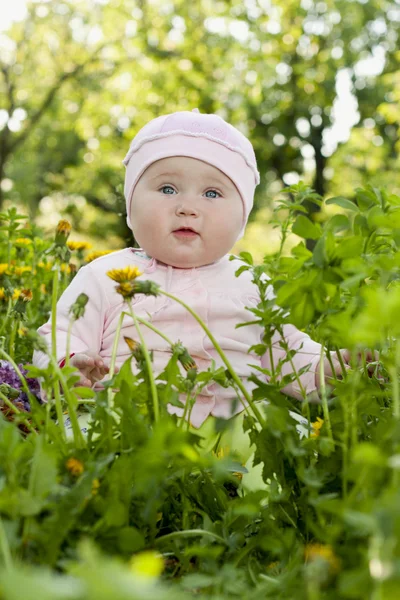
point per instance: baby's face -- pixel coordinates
(185, 192)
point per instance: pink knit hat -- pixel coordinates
(206, 137)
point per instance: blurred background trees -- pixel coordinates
(79, 78)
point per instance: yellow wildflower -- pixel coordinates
(316, 426)
(74, 466)
(96, 254)
(95, 486)
(21, 270)
(16, 294)
(148, 564)
(124, 275)
(43, 288)
(46, 266)
(26, 295)
(4, 268)
(64, 227)
(22, 331)
(65, 268)
(79, 246)
(126, 289)
(2, 294)
(325, 552)
(23, 242)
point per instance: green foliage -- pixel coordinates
(75, 515)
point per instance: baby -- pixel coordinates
(189, 189)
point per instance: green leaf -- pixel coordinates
(305, 228)
(84, 392)
(247, 257)
(338, 223)
(130, 539)
(343, 203)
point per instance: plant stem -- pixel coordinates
(255, 410)
(115, 345)
(78, 438)
(153, 386)
(395, 382)
(7, 316)
(14, 329)
(59, 410)
(340, 359)
(54, 311)
(5, 547)
(323, 393)
(68, 345)
(190, 533)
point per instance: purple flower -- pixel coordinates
(8, 375)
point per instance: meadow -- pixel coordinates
(131, 508)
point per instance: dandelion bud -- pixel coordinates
(38, 341)
(132, 345)
(62, 233)
(78, 308)
(184, 357)
(8, 391)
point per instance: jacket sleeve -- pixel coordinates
(87, 331)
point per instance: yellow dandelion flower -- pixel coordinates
(26, 295)
(4, 268)
(22, 331)
(64, 227)
(23, 242)
(126, 289)
(97, 254)
(74, 466)
(65, 268)
(316, 426)
(16, 294)
(46, 266)
(325, 552)
(95, 486)
(79, 246)
(124, 275)
(2, 294)
(148, 564)
(21, 270)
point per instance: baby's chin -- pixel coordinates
(182, 260)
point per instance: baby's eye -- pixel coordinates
(213, 192)
(167, 187)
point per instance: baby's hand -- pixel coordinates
(91, 366)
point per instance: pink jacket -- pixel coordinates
(212, 291)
